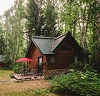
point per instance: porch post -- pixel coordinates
(46, 66)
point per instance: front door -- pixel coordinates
(40, 59)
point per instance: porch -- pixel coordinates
(29, 76)
(33, 74)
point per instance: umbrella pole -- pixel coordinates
(24, 68)
(21, 68)
(27, 67)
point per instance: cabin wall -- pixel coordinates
(35, 53)
(63, 59)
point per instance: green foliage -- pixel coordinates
(81, 66)
(48, 77)
(16, 68)
(34, 18)
(70, 16)
(2, 45)
(50, 16)
(13, 33)
(11, 75)
(42, 63)
(2, 40)
(77, 83)
(41, 19)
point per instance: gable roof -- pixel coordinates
(57, 41)
(43, 44)
(47, 45)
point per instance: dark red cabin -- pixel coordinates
(55, 53)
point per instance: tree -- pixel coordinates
(13, 32)
(94, 25)
(50, 24)
(75, 18)
(41, 19)
(34, 19)
(81, 17)
(2, 41)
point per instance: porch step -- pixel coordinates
(23, 77)
(37, 77)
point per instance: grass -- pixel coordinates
(26, 88)
(5, 74)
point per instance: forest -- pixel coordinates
(50, 18)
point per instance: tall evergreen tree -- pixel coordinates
(34, 18)
(41, 19)
(50, 24)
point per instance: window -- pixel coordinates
(66, 47)
(74, 59)
(52, 59)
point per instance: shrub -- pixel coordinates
(12, 75)
(81, 66)
(77, 83)
(16, 68)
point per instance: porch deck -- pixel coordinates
(30, 76)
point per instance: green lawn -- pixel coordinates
(5, 74)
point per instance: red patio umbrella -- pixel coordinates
(24, 60)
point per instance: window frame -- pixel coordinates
(50, 57)
(74, 59)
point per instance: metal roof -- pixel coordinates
(47, 45)
(43, 44)
(57, 41)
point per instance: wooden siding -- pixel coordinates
(35, 53)
(45, 67)
(63, 57)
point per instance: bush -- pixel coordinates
(12, 75)
(16, 68)
(77, 83)
(81, 66)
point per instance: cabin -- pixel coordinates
(53, 55)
